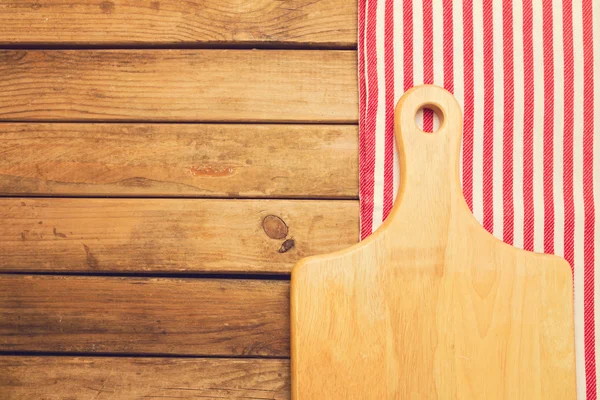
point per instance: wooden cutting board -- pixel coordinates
(431, 306)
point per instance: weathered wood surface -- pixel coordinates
(132, 157)
(103, 378)
(170, 235)
(282, 161)
(216, 317)
(331, 23)
(179, 85)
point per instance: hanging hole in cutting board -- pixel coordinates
(429, 118)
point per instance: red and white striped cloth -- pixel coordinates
(527, 75)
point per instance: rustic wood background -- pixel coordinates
(163, 165)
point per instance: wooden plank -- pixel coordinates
(179, 85)
(170, 235)
(217, 317)
(98, 378)
(172, 22)
(308, 161)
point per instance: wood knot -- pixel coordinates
(286, 246)
(107, 7)
(274, 227)
(91, 259)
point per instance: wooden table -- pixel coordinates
(163, 164)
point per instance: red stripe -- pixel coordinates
(388, 168)
(362, 91)
(428, 58)
(362, 102)
(448, 47)
(469, 88)
(407, 60)
(407, 44)
(548, 129)
(367, 144)
(588, 199)
(569, 79)
(528, 125)
(509, 119)
(488, 115)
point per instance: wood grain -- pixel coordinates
(282, 161)
(169, 236)
(103, 378)
(432, 306)
(216, 317)
(98, 378)
(330, 23)
(179, 85)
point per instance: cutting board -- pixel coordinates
(432, 306)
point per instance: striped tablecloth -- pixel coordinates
(527, 75)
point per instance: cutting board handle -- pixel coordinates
(429, 163)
